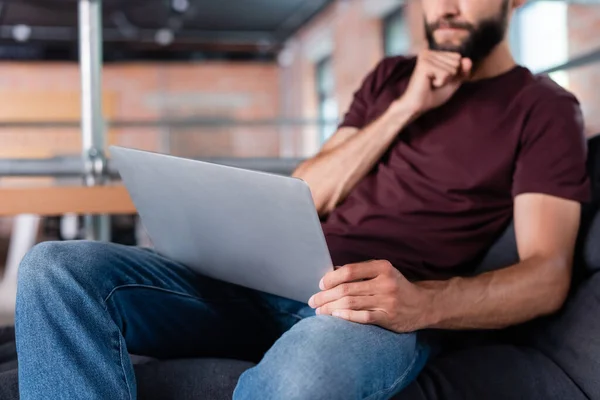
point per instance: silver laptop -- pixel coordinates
(249, 228)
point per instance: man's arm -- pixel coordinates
(546, 228)
(376, 293)
(351, 153)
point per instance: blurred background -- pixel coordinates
(257, 83)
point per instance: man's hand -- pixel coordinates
(351, 153)
(437, 76)
(373, 292)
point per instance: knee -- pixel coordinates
(289, 379)
(51, 264)
(329, 358)
(314, 367)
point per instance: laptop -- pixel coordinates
(248, 228)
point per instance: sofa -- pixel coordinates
(556, 357)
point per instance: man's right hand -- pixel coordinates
(349, 157)
(437, 76)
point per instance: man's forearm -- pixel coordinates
(332, 174)
(498, 299)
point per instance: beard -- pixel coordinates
(482, 39)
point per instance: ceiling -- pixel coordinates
(156, 28)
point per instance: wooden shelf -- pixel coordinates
(59, 200)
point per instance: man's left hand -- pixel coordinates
(373, 292)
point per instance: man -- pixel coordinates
(434, 158)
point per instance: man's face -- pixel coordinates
(472, 28)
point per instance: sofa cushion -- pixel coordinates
(588, 250)
(502, 254)
(8, 365)
(8, 356)
(9, 384)
(593, 166)
(591, 247)
(571, 338)
(189, 379)
(156, 380)
(495, 372)
(560, 360)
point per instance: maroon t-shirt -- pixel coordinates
(444, 190)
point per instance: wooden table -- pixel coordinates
(59, 200)
(50, 200)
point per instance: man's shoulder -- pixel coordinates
(548, 107)
(541, 89)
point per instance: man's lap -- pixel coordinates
(165, 310)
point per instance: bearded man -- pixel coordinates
(435, 157)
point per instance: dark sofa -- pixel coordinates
(551, 358)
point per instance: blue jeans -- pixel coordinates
(83, 306)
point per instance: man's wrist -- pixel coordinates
(433, 303)
(404, 108)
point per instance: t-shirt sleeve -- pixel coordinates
(552, 153)
(356, 116)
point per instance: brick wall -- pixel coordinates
(353, 40)
(148, 91)
(357, 44)
(583, 28)
(145, 91)
(353, 36)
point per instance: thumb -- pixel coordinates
(466, 67)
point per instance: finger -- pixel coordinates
(443, 53)
(351, 273)
(452, 71)
(350, 303)
(364, 288)
(361, 316)
(453, 63)
(438, 76)
(439, 59)
(466, 67)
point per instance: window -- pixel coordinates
(539, 37)
(328, 108)
(396, 37)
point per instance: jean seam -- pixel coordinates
(122, 366)
(120, 344)
(181, 294)
(397, 381)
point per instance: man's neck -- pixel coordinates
(498, 62)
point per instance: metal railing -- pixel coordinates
(72, 167)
